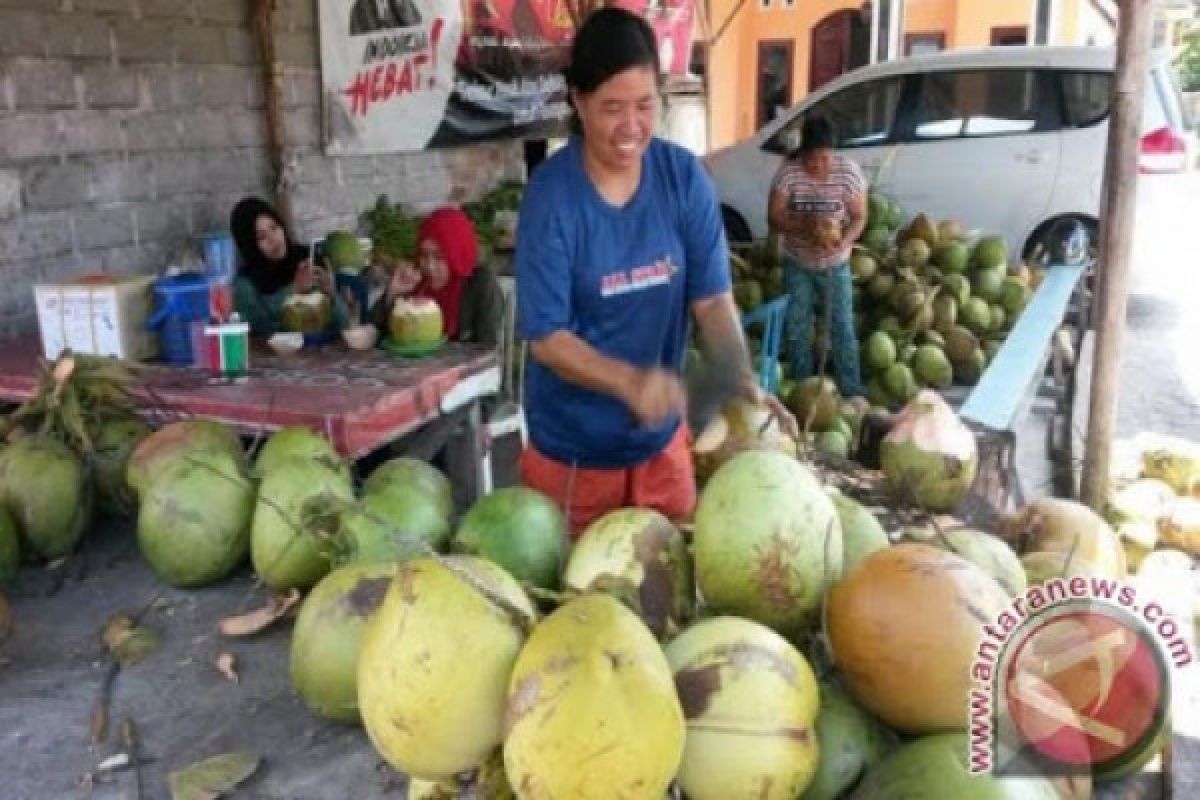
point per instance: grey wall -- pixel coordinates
(127, 127)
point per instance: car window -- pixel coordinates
(862, 116)
(1087, 97)
(978, 103)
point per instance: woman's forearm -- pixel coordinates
(724, 342)
(577, 362)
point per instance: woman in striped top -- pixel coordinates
(818, 202)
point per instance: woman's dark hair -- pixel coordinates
(816, 134)
(610, 41)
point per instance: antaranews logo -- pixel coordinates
(1073, 678)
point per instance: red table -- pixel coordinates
(360, 400)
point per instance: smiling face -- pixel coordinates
(618, 118)
(818, 163)
(270, 238)
(432, 263)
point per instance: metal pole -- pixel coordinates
(263, 17)
(1116, 242)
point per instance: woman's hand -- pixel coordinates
(753, 393)
(405, 279)
(655, 395)
(323, 279)
(302, 282)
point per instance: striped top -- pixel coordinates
(818, 202)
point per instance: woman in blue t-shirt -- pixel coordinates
(620, 237)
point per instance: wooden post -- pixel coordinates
(1116, 241)
(263, 16)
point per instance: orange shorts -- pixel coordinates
(666, 482)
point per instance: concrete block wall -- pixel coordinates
(129, 127)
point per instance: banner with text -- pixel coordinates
(407, 75)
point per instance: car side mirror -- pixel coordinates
(791, 139)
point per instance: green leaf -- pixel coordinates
(209, 779)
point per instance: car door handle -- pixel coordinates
(1032, 156)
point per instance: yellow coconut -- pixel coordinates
(1180, 527)
(592, 709)
(1044, 566)
(638, 556)
(434, 664)
(1054, 525)
(751, 704)
(904, 628)
(1172, 460)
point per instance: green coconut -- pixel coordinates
(748, 294)
(914, 253)
(861, 532)
(176, 439)
(877, 239)
(929, 457)
(520, 529)
(415, 321)
(881, 285)
(1014, 296)
(990, 253)
(113, 442)
(890, 324)
(345, 252)
(328, 633)
(863, 267)
(285, 546)
(10, 548)
(937, 768)
(296, 441)
(638, 556)
(945, 312)
(751, 701)
(405, 471)
(306, 313)
(48, 492)
(394, 525)
(957, 287)
(833, 443)
(815, 402)
(900, 382)
(969, 371)
(767, 541)
(194, 522)
(932, 368)
(976, 315)
(998, 319)
(952, 257)
(988, 284)
(986, 551)
(844, 733)
(877, 393)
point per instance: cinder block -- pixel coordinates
(240, 47)
(55, 186)
(302, 127)
(43, 235)
(104, 227)
(10, 241)
(161, 221)
(222, 87)
(302, 88)
(299, 14)
(10, 193)
(200, 45)
(26, 136)
(106, 86)
(312, 167)
(297, 49)
(116, 179)
(176, 174)
(170, 9)
(144, 40)
(86, 132)
(234, 11)
(117, 7)
(43, 85)
(23, 32)
(153, 131)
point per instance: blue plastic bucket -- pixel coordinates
(180, 301)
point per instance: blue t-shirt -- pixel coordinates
(622, 279)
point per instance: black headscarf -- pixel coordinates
(268, 276)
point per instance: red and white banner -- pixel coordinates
(407, 75)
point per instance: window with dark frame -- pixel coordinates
(977, 103)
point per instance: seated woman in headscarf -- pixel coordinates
(273, 268)
(447, 272)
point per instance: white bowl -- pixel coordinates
(286, 344)
(360, 337)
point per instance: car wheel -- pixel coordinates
(736, 229)
(1067, 240)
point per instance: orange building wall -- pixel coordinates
(930, 16)
(976, 18)
(733, 62)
